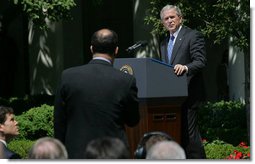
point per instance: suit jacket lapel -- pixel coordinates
(178, 43)
(164, 56)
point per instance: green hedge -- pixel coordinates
(222, 150)
(22, 147)
(36, 122)
(224, 120)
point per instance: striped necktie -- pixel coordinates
(170, 48)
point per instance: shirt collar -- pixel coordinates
(101, 58)
(4, 142)
(177, 32)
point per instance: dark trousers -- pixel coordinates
(191, 140)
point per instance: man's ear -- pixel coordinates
(116, 51)
(181, 19)
(1, 127)
(91, 49)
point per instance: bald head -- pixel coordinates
(104, 41)
(104, 32)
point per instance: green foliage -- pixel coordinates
(39, 11)
(21, 147)
(218, 20)
(221, 150)
(153, 17)
(224, 121)
(36, 123)
(218, 149)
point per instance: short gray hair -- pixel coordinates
(166, 150)
(48, 148)
(169, 7)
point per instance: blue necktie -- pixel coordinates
(170, 48)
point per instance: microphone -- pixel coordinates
(137, 45)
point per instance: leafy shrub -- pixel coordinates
(36, 122)
(242, 151)
(222, 150)
(218, 149)
(224, 121)
(21, 147)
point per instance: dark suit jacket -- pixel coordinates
(189, 50)
(8, 154)
(94, 100)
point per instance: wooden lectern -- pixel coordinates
(161, 94)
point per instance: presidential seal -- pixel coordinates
(127, 69)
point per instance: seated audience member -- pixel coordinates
(48, 148)
(107, 148)
(1, 151)
(148, 140)
(166, 150)
(8, 129)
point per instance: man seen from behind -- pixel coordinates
(95, 100)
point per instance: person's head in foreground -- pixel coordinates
(166, 150)
(48, 148)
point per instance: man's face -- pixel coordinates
(171, 20)
(10, 126)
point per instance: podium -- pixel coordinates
(161, 94)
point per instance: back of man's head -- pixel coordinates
(166, 150)
(149, 139)
(48, 148)
(104, 41)
(106, 148)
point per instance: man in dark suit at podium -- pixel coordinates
(95, 100)
(184, 48)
